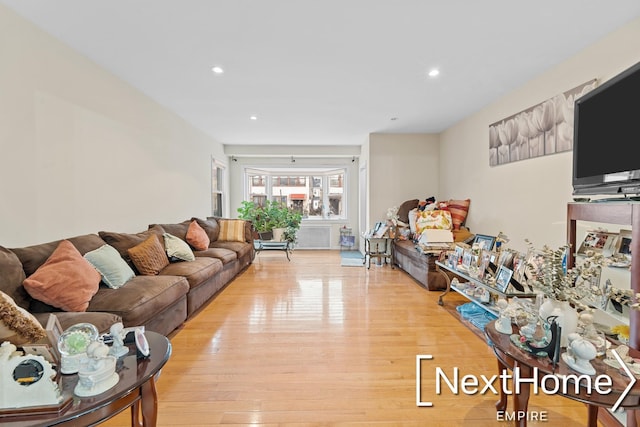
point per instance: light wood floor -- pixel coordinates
(311, 343)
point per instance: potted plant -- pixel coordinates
(256, 215)
(272, 215)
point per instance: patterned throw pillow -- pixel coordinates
(197, 237)
(17, 325)
(114, 270)
(149, 256)
(459, 210)
(177, 249)
(231, 230)
(433, 219)
(66, 280)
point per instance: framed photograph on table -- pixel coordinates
(53, 330)
(599, 242)
(485, 241)
(503, 277)
(623, 246)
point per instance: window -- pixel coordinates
(217, 194)
(319, 194)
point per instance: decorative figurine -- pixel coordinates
(99, 373)
(26, 380)
(118, 349)
(582, 351)
(503, 324)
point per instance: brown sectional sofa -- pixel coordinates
(161, 302)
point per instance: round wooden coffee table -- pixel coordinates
(136, 389)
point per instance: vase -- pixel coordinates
(567, 317)
(278, 234)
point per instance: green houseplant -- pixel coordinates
(270, 216)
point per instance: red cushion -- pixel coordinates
(66, 280)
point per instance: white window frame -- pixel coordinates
(324, 172)
(217, 171)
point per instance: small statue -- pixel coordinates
(98, 374)
(118, 349)
(503, 324)
(579, 354)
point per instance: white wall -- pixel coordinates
(526, 199)
(401, 167)
(82, 151)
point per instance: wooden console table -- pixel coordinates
(509, 357)
(136, 389)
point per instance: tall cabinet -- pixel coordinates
(620, 213)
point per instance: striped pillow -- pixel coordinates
(231, 230)
(459, 210)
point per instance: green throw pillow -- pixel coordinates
(114, 270)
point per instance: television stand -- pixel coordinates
(617, 199)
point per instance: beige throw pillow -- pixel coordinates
(177, 248)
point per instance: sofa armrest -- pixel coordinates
(248, 231)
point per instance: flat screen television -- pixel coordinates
(606, 137)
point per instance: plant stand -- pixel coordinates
(261, 245)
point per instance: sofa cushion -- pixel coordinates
(210, 226)
(197, 237)
(231, 230)
(124, 241)
(17, 325)
(112, 268)
(196, 272)
(33, 257)
(149, 256)
(241, 249)
(179, 230)
(405, 207)
(141, 298)
(66, 280)
(177, 249)
(224, 255)
(459, 210)
(11, 277)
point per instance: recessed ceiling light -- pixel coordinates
(217, 70)
(434, 72)
(253, 118)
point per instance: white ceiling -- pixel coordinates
(325, 72)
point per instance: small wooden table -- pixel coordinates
(509, 356)
(136, 389)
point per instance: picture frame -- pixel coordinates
(503, 278)
(486, 241)
(466, 259)
(534, 265)
(599, 242)
(53, 330)
(623, 244)
(506, 258)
